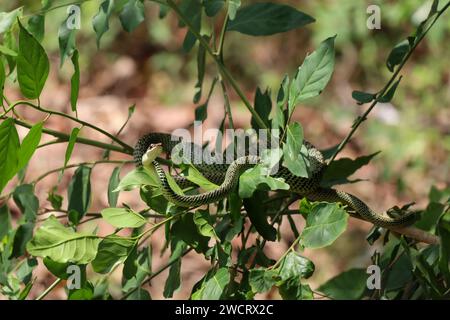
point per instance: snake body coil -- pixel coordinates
(227, 176)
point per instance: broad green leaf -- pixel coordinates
(279, 120)
(29, 145)
(113, 183)
(138, 177)
(313, 75)
(62, 244)
(32, 65)
(294, 265)
(201, 60)
(204, 223)
(212, 7)
(112, 250)
(136, 268)
(430, 217)
(390, 93)
(255, 211)
(233, 6)
(140, 294)
(100, 22)
(263, 19)
(86, 292)
(72, 140)
(58, 269)
(340, 170)
(36, 24)
(75, 82)
(5, 221)
(293, 289)
(294, 152)
(191, 9)
(25, 270)
(349, 285)
(133, 13)
(186, 230)
(27, 202)
(196, 177)
(8, 18)
(9, 151)
(324, 224)
(8, 51)
(263, 106)
(363, 97)
(213, 286)
(123, 218)
(397, 54)
(23, 235)
(256, 178)
(79, 193)
(173, 281)
(262, 280)
(55, 199)
(67, 37)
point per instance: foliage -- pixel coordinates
(408, 270)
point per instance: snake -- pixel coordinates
(226, 176)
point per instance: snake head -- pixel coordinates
(153, 151)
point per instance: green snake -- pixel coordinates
(227, 177)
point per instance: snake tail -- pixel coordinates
(360, 208)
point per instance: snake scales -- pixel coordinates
(227, 176)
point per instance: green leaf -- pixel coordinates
(191, 9)
(7, 19)
(23, 235)
(213, 286)
(112, 250)
(8, 51)
(390, 93)
(324, 224)
(263, 106)
(67, 37)
(294, 152)
(62, 244)
(212, 7)
(340, 170)
(173, 281)
(279, 119)
(363, 97)
(9, 151)
(349, 285)
(113, 183)
(86, 292)
(79, 193)
(133, 13)
(36, 24)
(29, 145)
(27, 202)
(32, 65)
(58, 269)
(313, 75)
(255, 211)
(75, 82)
(444, 247)
(5, 221)
(201, 60)
(196, 177)
(262, 280)
(138, 177)
(186, 230)
(123, 218)
(25, 270)
(263, 19)
(2, 77)
(55, 199)
(257, 179)
(294, 265)
(397, 54)
(100, 22)
(204, 223)
(292, 289)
